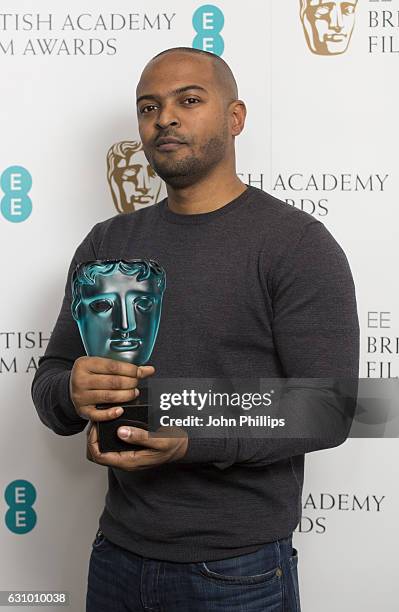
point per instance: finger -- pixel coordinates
(112, 459)
(91, 441)
(92, 433)
(105, 365)
(132, 460)
(144, 371)
(113, 382)
(88, 454)
(107, 396)
(96, 415)
(141, 460)
(136, 435)
(126, 460)
(93, 448)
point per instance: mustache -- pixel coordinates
(169, 135)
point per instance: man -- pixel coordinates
(328, 26)
(256, 288)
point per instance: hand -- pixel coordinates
(156, 450)
(99, 380)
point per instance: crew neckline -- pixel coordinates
(198, 218)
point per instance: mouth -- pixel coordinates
(335, 37)
(131, 344)
(141, 199)
(168, 144)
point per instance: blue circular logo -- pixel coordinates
(16, 205)
(208, 21)
(16, 209)
(20, 496)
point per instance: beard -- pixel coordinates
(190, 169)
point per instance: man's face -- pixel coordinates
(178, 96)
(329, 25)
(135, 184)
(119, 317)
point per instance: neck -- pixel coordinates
(208, 194)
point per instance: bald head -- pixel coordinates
(222, 73)
(190, 96)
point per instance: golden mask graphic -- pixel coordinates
(133, 182)
(328, 26)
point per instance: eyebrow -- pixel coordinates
(174, 92)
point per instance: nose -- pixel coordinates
(336, 18)
(167, 116)
(125, 320)
(142, 185)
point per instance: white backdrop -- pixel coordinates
(321, 132)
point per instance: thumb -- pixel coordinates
(144, 371)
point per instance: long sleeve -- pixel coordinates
(50, 385)
(316, 335)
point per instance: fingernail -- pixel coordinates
(119, 411)
(123, 432)
(139, 372)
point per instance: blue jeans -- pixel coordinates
(263, 581)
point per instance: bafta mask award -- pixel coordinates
(117, 306)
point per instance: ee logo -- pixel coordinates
(208, 21)
(20, 496)
(16, 205)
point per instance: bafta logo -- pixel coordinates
(328, 26)
(132, 181)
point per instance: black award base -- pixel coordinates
(135, 414)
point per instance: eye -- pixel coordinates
(349, 10)
(129, 173)
(192, 99)
(144, 304)
(322, 11)
(101, 305)
(151, 172)
(143, 111)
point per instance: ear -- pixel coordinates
(238, 113)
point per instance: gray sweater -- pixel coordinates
(256, 288)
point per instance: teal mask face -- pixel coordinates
(117, 306)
